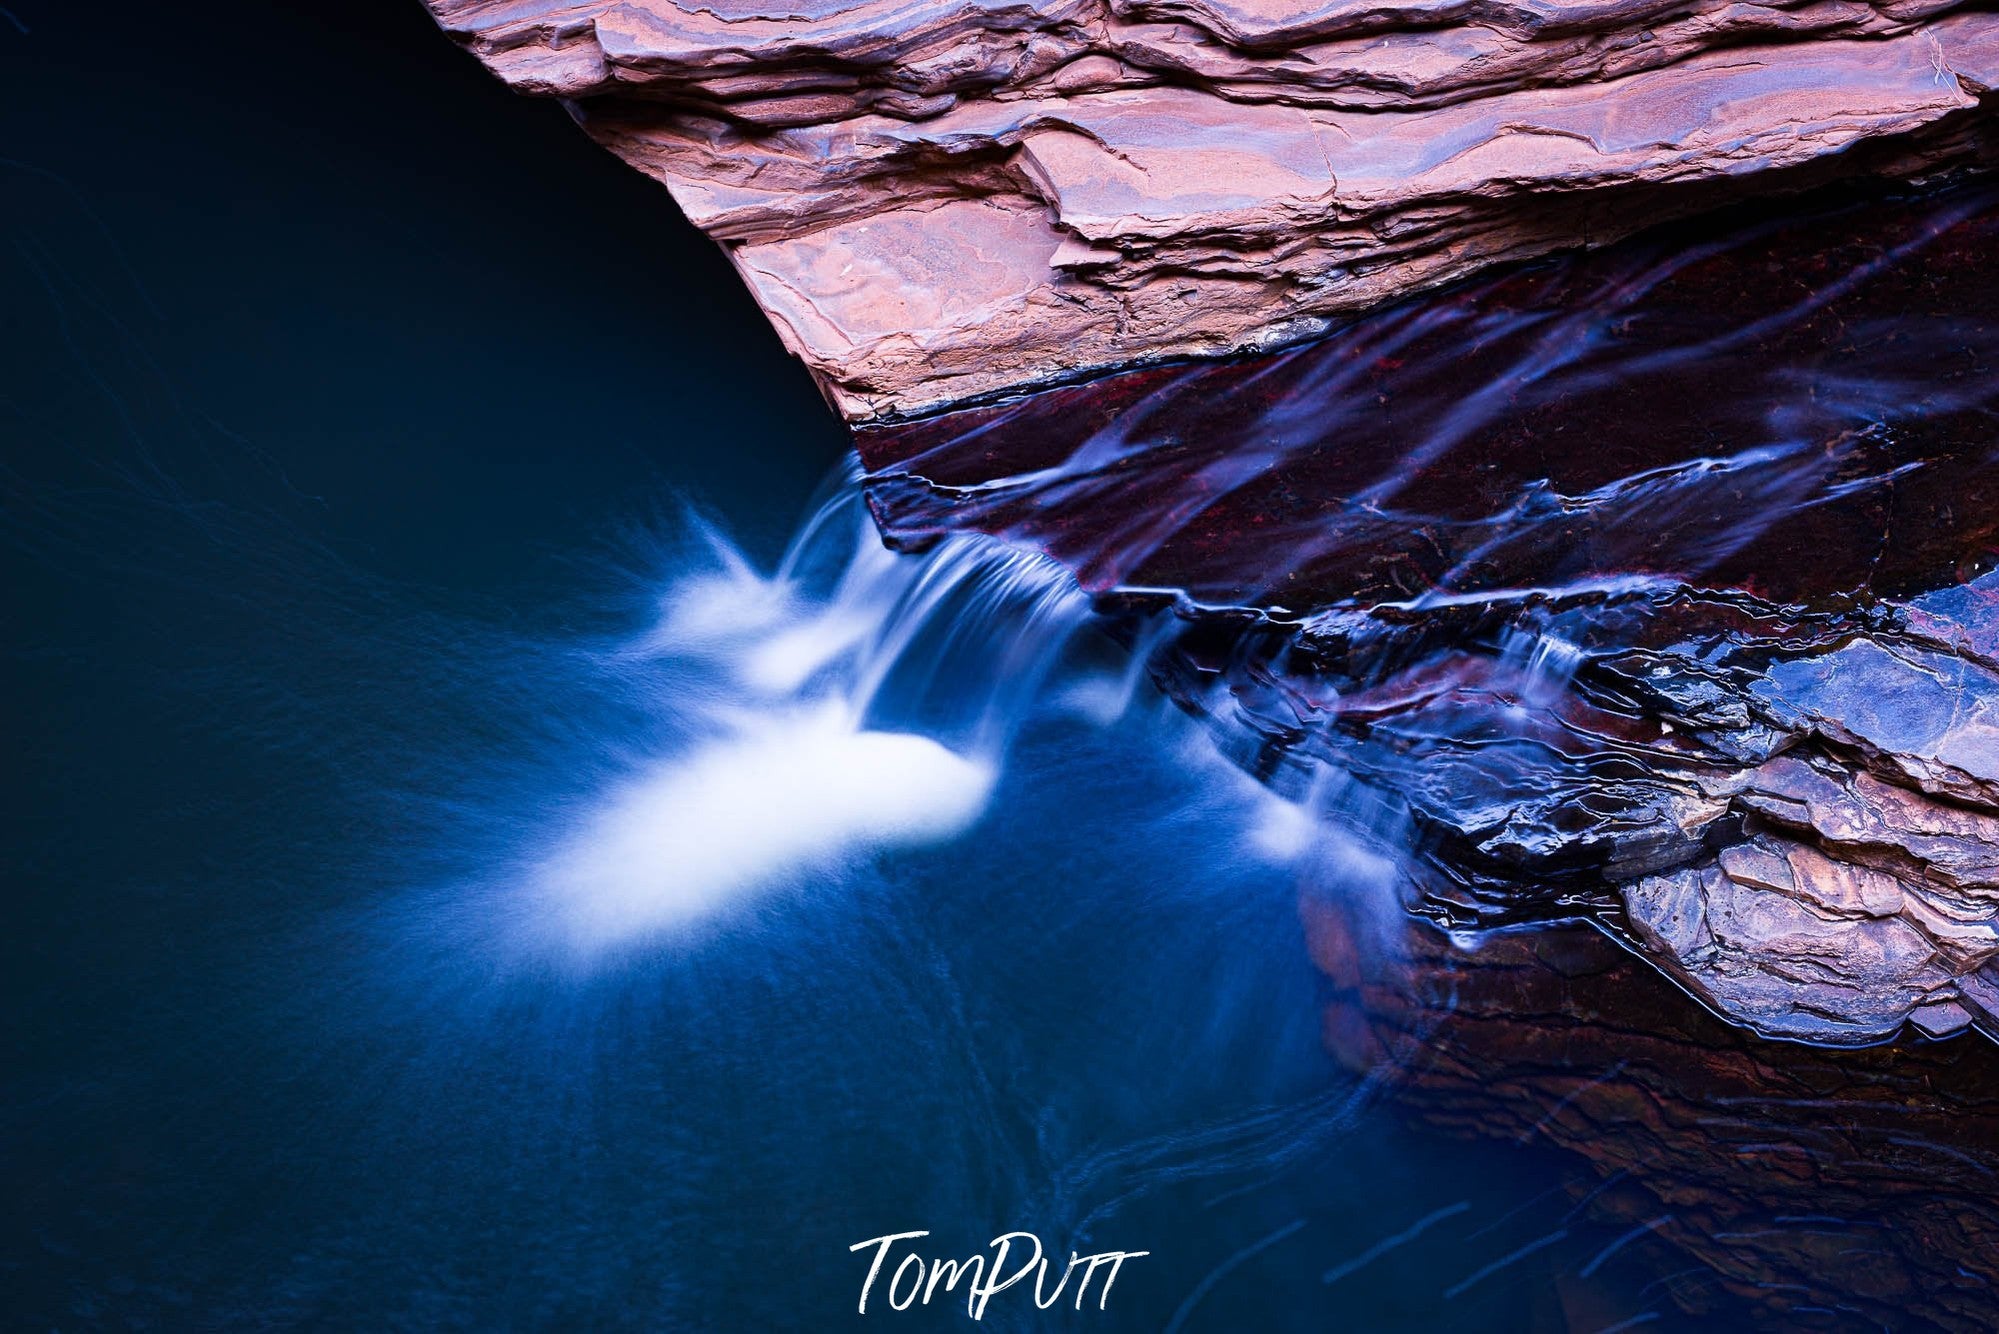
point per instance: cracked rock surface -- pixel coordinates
(1655, 589)
(943, 200)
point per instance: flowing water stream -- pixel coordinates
(458, 884)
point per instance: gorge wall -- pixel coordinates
(1647, 598)
(943, 200)
(1655, 590)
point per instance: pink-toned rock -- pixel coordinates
(1793, 944)
(1858, 906)
(943, 199)
(1572, 578)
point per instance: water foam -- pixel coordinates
(752, 809)
(851, 702)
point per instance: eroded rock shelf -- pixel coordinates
(1655, 589)
(940, 201)
(1646, 600)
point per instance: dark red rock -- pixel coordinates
(1830, 1189)
(1654, 588)
(1794, 411)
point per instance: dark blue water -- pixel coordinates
(354, 413)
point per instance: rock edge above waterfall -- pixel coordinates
(1655, 589)
(940, 201)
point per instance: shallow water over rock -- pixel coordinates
(1653, 588)
(349, 600)
(1650, 598)
(1827, 1188)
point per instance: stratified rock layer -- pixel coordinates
(1656, 589)
(937, 201)
(1826, 1189)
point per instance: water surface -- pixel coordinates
(460, 875)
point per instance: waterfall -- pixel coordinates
(850, 701)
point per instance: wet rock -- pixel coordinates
(1654, 590)
(1930, 718)
(1941, 1019)
(1816, 1186)
(1793, 944)
(1953, 848)
(945, 200)
(1825, 887)
(1980, 994)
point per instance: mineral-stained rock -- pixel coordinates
(1869, 925)
(1784, 961)
(940, 200)
(1655, 589)
(1824, 1188)
(1932, 717)
(1651, 596)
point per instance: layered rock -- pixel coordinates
(1655, 590)
(1822, 1188)
(1649, 601)
(1848, 904)
(1650, 589)
(938, 201)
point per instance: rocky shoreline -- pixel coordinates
(1824, 1188)
(1634, 617)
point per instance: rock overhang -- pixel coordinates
(937, 202)
(1681, 621)
(1656, 589)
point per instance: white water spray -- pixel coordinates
(851, 702)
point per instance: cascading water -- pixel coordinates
(1410, 553)
(857, 700)
(405, 956)
(914, 803)
(1624, 591)
(852, 701)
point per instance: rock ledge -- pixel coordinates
(946, 200)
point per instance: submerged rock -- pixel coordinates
(1832, 1189)
(1654, 590)
(944, 200)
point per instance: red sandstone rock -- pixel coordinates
(1793, 1177)
(940, 199)
(1889, 914)
(1652, 587)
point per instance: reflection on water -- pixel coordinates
(1178, 1090)
(1830, 1188)
(1514, 585)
